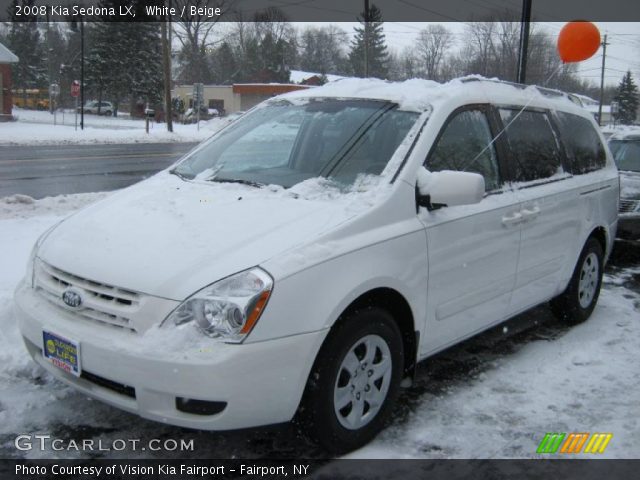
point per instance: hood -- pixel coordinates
(169, 238)
(629, 185)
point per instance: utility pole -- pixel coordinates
(604, 56)
(82, 73)
(524, 41)
(49, 63)
(366, 38)
(166, 64)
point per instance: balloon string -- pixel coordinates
(511, 121)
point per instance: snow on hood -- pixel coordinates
(169, 238)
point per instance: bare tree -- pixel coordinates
(194, 34)
(274, 22)
(433, 44)
(479, 48)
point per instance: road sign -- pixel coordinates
(615, 106)
(75, 88)
(54, 90)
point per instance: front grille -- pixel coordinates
(101, 303)
(628, 206)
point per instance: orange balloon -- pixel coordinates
(578, 41)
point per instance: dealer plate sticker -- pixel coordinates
(62, 352)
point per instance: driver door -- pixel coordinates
(472, 249)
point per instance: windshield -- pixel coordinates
(626, 154)
(284, 144)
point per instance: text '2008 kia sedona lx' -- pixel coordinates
(300, 262)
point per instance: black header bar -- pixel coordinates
(319, 10)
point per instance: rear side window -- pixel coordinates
(534, 149)
(465, 144)
(582, 142)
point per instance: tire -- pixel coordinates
(577, 302)
(366, 341)
(108, 113)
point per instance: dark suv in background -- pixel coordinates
(625, 148)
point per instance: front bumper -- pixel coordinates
(261, 383)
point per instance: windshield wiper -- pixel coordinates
(181, 175)
(236, 180)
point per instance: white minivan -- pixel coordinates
(300, 262)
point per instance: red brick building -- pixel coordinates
(6, 102)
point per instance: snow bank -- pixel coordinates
(36, 128)
(23, 206)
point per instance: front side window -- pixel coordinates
(465, 145)
(626, 154)
(582, 142)
(534, 149)
(284, 144)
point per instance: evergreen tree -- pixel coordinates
(265, 60)
(125, 60)
(377, 54)
(225, 67)
(627, 98)
(195, 68)
(273, 53)
(24, 40)
(321, 49)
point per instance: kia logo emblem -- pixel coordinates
(72, 298)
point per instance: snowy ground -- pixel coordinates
(494, 396)
(37, 128)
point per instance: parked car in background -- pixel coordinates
(301, 261)
(625, 148)
(98, 108)
(190, 115)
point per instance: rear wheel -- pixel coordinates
(577, 302)
(354, 382)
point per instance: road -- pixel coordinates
(43, 171)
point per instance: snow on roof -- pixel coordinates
(299, 76)
(586, 100)
(419, 95)
(6, 55)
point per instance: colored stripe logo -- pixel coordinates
(573, 443)
(598, 443)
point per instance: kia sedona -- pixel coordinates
(300, 262)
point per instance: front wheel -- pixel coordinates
(579, 299)
(354, 382)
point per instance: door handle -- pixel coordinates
(530, 213)
(512, 219)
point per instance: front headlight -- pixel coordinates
(29, 276)
(229, 308)
(30, 273)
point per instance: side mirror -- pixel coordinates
(448, 188)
